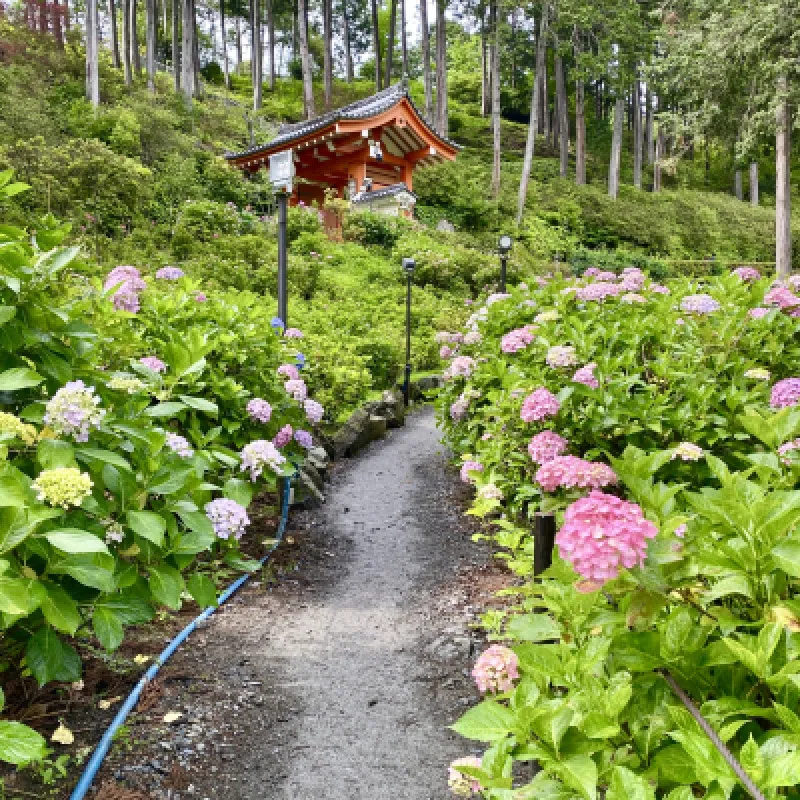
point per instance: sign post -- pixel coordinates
(281, 173)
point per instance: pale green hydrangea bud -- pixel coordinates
(63, 486)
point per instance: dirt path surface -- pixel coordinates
(337, 684)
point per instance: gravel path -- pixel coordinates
(339, 684)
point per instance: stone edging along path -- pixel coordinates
(340, 680)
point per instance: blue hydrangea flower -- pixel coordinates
(277, 323)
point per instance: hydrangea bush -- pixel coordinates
(669, 461)
(130, 450)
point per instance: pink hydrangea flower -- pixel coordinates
(297, 389)
(470, 466)
(473, 337)
(546, 446)
(787, 448)
(259, 410)
(461, 366)
(459, 409)
(289, 371)
(314, 411)
(445, 351)
(496, 298)
(598, 292)
(591, 272)
(200, 297)
(606, 275)
(785, 393)
(460, 784)
(126, 277)
(283, 436)
(516, 340)
(586, 376)
(496, 669)
(657, 288)
(747, 274)
(539, 405)
(759, 312)
(680, 531)
(601, 534)
(125, 300)
(571, 472)
(782, 297)
(293, 333)
(153, 363)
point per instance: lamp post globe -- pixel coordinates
(409, 264)
(503, 249)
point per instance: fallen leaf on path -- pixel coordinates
(62, 735)
(140, 659)
(105, 704)
(172, 716)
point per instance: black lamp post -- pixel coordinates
(283, 201)
(503, 249)
(408, 267)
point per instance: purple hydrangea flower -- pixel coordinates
(200, 297)
(73, 411)
(170, 273)
(126, 300)
(259, 410)
(228, 518)
(283, 436)
(293, 333)
(180, 445)
(699, 304)
(304, 439)
(153, 363)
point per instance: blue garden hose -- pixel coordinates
(96, 761)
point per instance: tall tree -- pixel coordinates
(403, 37)
(754, 183)
(494, 61)
(530, 145)
(376, 43)
(112, 15)
(92, 61)
(650, 144)
(783, 185)
(580, 111)
(176, 43)
(327, 65)
(255, 54)
(224, 34)
(616, 146)
(187, 50)
(126, 41)
(442, 114)
(638, 141)
(425, 46)
(305, 59)
(562, 113)
(270, 45)
(390, 42)
(150, 43)
(238, 42)
(348, 55)
(136, 55)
